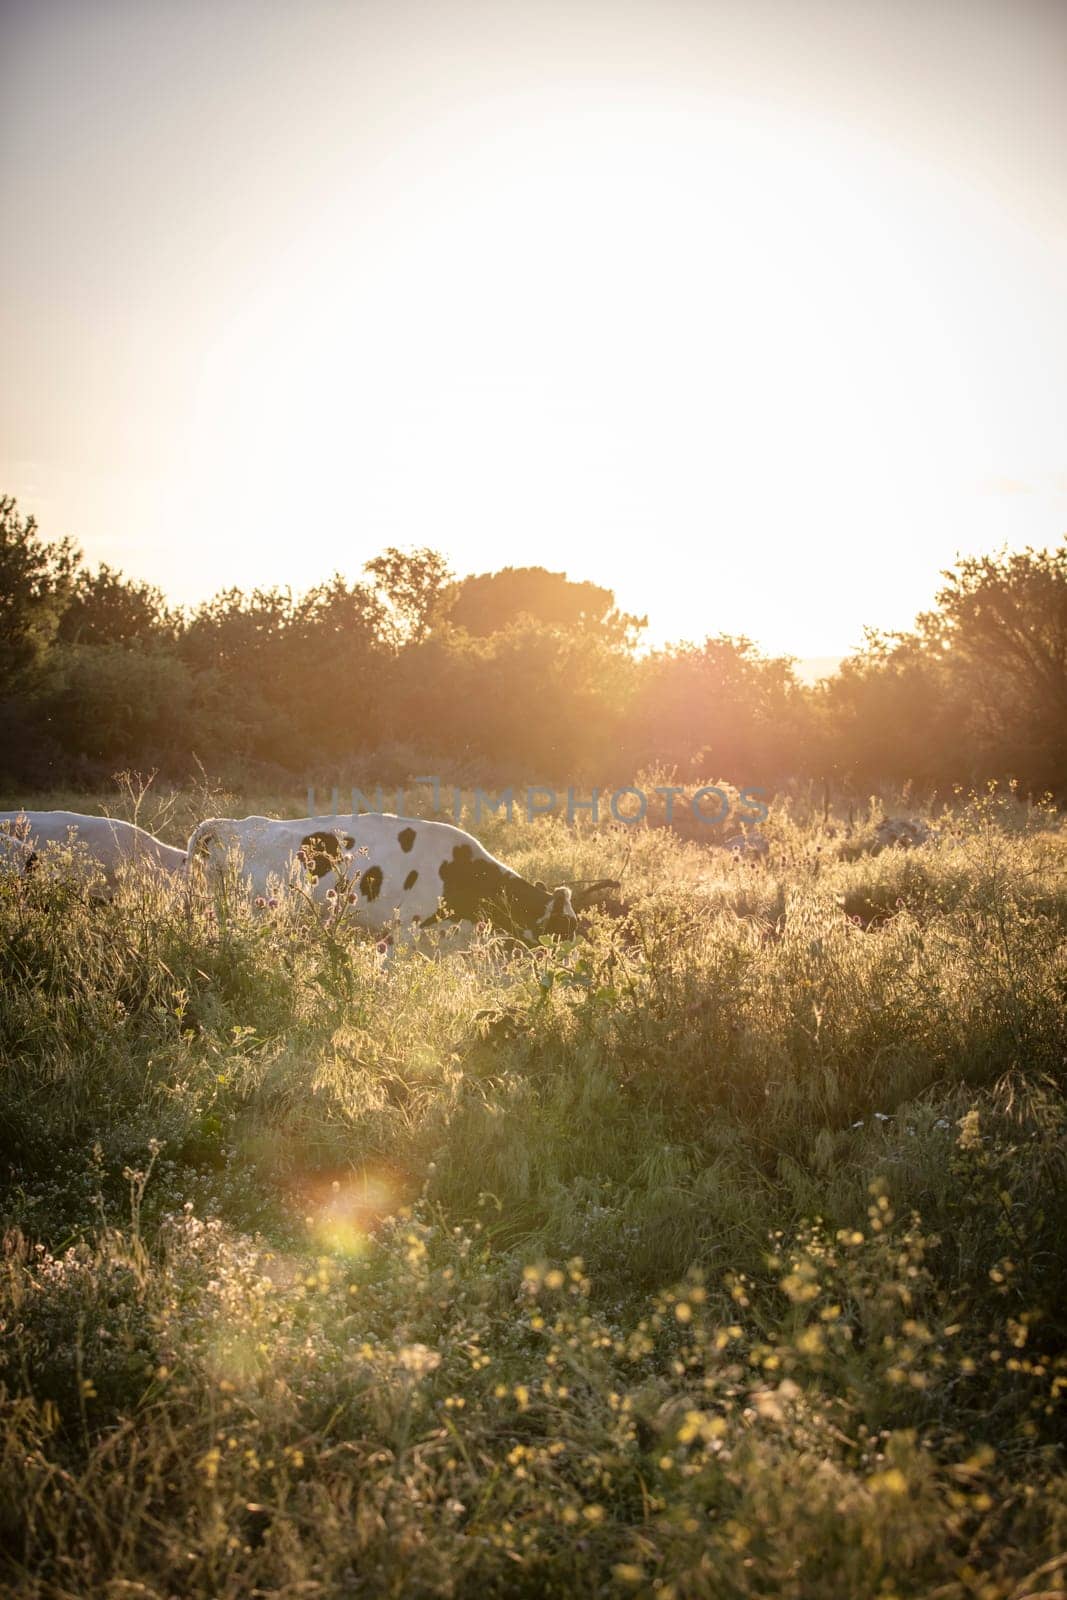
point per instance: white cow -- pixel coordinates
(393, 867)
(26, 835)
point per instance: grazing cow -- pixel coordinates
(24, 836)
(393, 867)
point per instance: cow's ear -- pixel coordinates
(321, 853)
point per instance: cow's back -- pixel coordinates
(384, 867)
(109, 841)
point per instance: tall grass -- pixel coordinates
(719, 1254)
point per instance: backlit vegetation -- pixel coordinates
(720, 1254)
(517, 677)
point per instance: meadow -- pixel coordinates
(719, 1253)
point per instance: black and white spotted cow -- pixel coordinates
(25, 838)
(397, 868)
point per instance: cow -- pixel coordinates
(392, 868)
(26, 835)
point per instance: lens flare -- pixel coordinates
(342, 1211)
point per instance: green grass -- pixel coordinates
(719, 1255)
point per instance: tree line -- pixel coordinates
(518, 675)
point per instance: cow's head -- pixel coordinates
(557, 916)
(473, 887)
(531, 910)
(562, 905)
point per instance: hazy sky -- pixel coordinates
(756, 312)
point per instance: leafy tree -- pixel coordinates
(35, 580)
(720, 708)
(337, 661)
(493, 601)
(414, 585)
(109, 704)
(295, 680)
(978, 689)
(233, 631)
(106, 608)
(1000, 630)
(889, 714)
(530, 703)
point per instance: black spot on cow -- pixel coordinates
(439, 918)
(370, 885)
(321, 853)
(349, 841)
(406, 837)
(473, 887)
(410, 880)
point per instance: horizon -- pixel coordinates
(755, 316)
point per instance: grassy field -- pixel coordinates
(719, 1255)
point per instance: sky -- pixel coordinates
(755, 312)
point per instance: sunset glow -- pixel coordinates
(755, 315)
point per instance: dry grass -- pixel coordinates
(720, 1255)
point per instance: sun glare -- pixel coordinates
(706, 333)
(618, 333)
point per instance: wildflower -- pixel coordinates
(892, 1482)
(260, 902)
(418, 1359)
(970, 1131)
(810, 1342)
